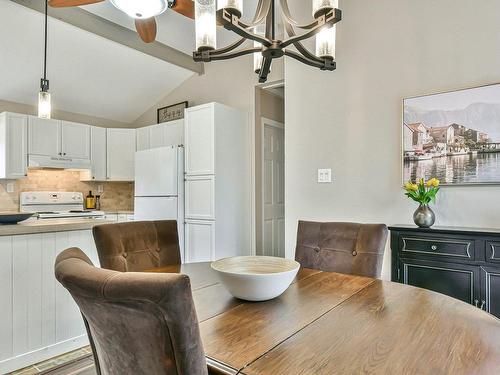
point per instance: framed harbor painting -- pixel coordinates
(453, 136)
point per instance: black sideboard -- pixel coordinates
(460, 262)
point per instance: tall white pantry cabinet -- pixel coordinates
(218, 182)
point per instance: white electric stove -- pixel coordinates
(56, 205)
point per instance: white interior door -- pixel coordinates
(273, 181)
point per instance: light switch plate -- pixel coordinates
(10, 187)
(324, 176)
(100, 189)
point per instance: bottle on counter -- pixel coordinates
(98, 202)
(90, 201)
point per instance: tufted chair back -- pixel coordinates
(350, 248)
(138, 323)
(138, 245)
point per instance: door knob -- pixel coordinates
(434, 247)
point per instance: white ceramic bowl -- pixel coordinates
(256, 278)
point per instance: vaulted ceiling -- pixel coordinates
(89, 74)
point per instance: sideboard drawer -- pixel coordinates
(493, 252)
(437, 247)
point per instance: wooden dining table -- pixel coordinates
(331, 323)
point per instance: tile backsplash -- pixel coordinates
(117, 196)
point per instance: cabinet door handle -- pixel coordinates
(434, 247)
(476, 303)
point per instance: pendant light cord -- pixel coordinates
(45, 48)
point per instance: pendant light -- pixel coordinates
(44, 104)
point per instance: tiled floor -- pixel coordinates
(78, 362)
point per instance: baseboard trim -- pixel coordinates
(39, 355)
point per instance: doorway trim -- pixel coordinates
(279, 125)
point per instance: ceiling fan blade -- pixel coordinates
(184, 7)
(146, 28)
(71, 3)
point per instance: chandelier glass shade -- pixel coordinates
(141, 9)
(262, 31)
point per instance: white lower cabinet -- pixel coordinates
(200, 241)
(38, 317)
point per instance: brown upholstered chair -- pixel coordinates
(137, 245)
(349, 248)
(139, 323)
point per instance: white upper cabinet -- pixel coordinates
(98, 156)
(120, 149)
(173, 133)
(156, 136)
(160, 135)
(13, 145)
(44, 137)
(75, 140)
(200, 140)
(58, 144)
(143, 138)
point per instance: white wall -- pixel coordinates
(350, 120)
(230, 82)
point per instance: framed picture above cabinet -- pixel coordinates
(171, 112)
(453, 136)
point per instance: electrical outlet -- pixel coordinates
(10, 187)
(324, 176)
(100, 189)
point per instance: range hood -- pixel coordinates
(61, 162)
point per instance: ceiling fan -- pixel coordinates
(143, 11)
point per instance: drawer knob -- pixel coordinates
(434, 247)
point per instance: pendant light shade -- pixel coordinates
(321, 7)
(231, 5)
(325, 42)
(205, 24)
(44, 105)
(141, 9)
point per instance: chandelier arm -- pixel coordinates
(323, 65)
(261, 12)
(235, 25)
(228, 48)
(330, 19)
(300, 47)
(287, 16)
(239, 53)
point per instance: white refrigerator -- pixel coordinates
(159, 186)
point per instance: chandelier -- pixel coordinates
(262, 31)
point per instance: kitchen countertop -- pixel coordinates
(51, 225)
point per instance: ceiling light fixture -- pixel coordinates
(44, 103)
(262, 30)
(142, 9)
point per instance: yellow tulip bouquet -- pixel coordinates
(422, 192)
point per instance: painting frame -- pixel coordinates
(444, 183)
(171, 112)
